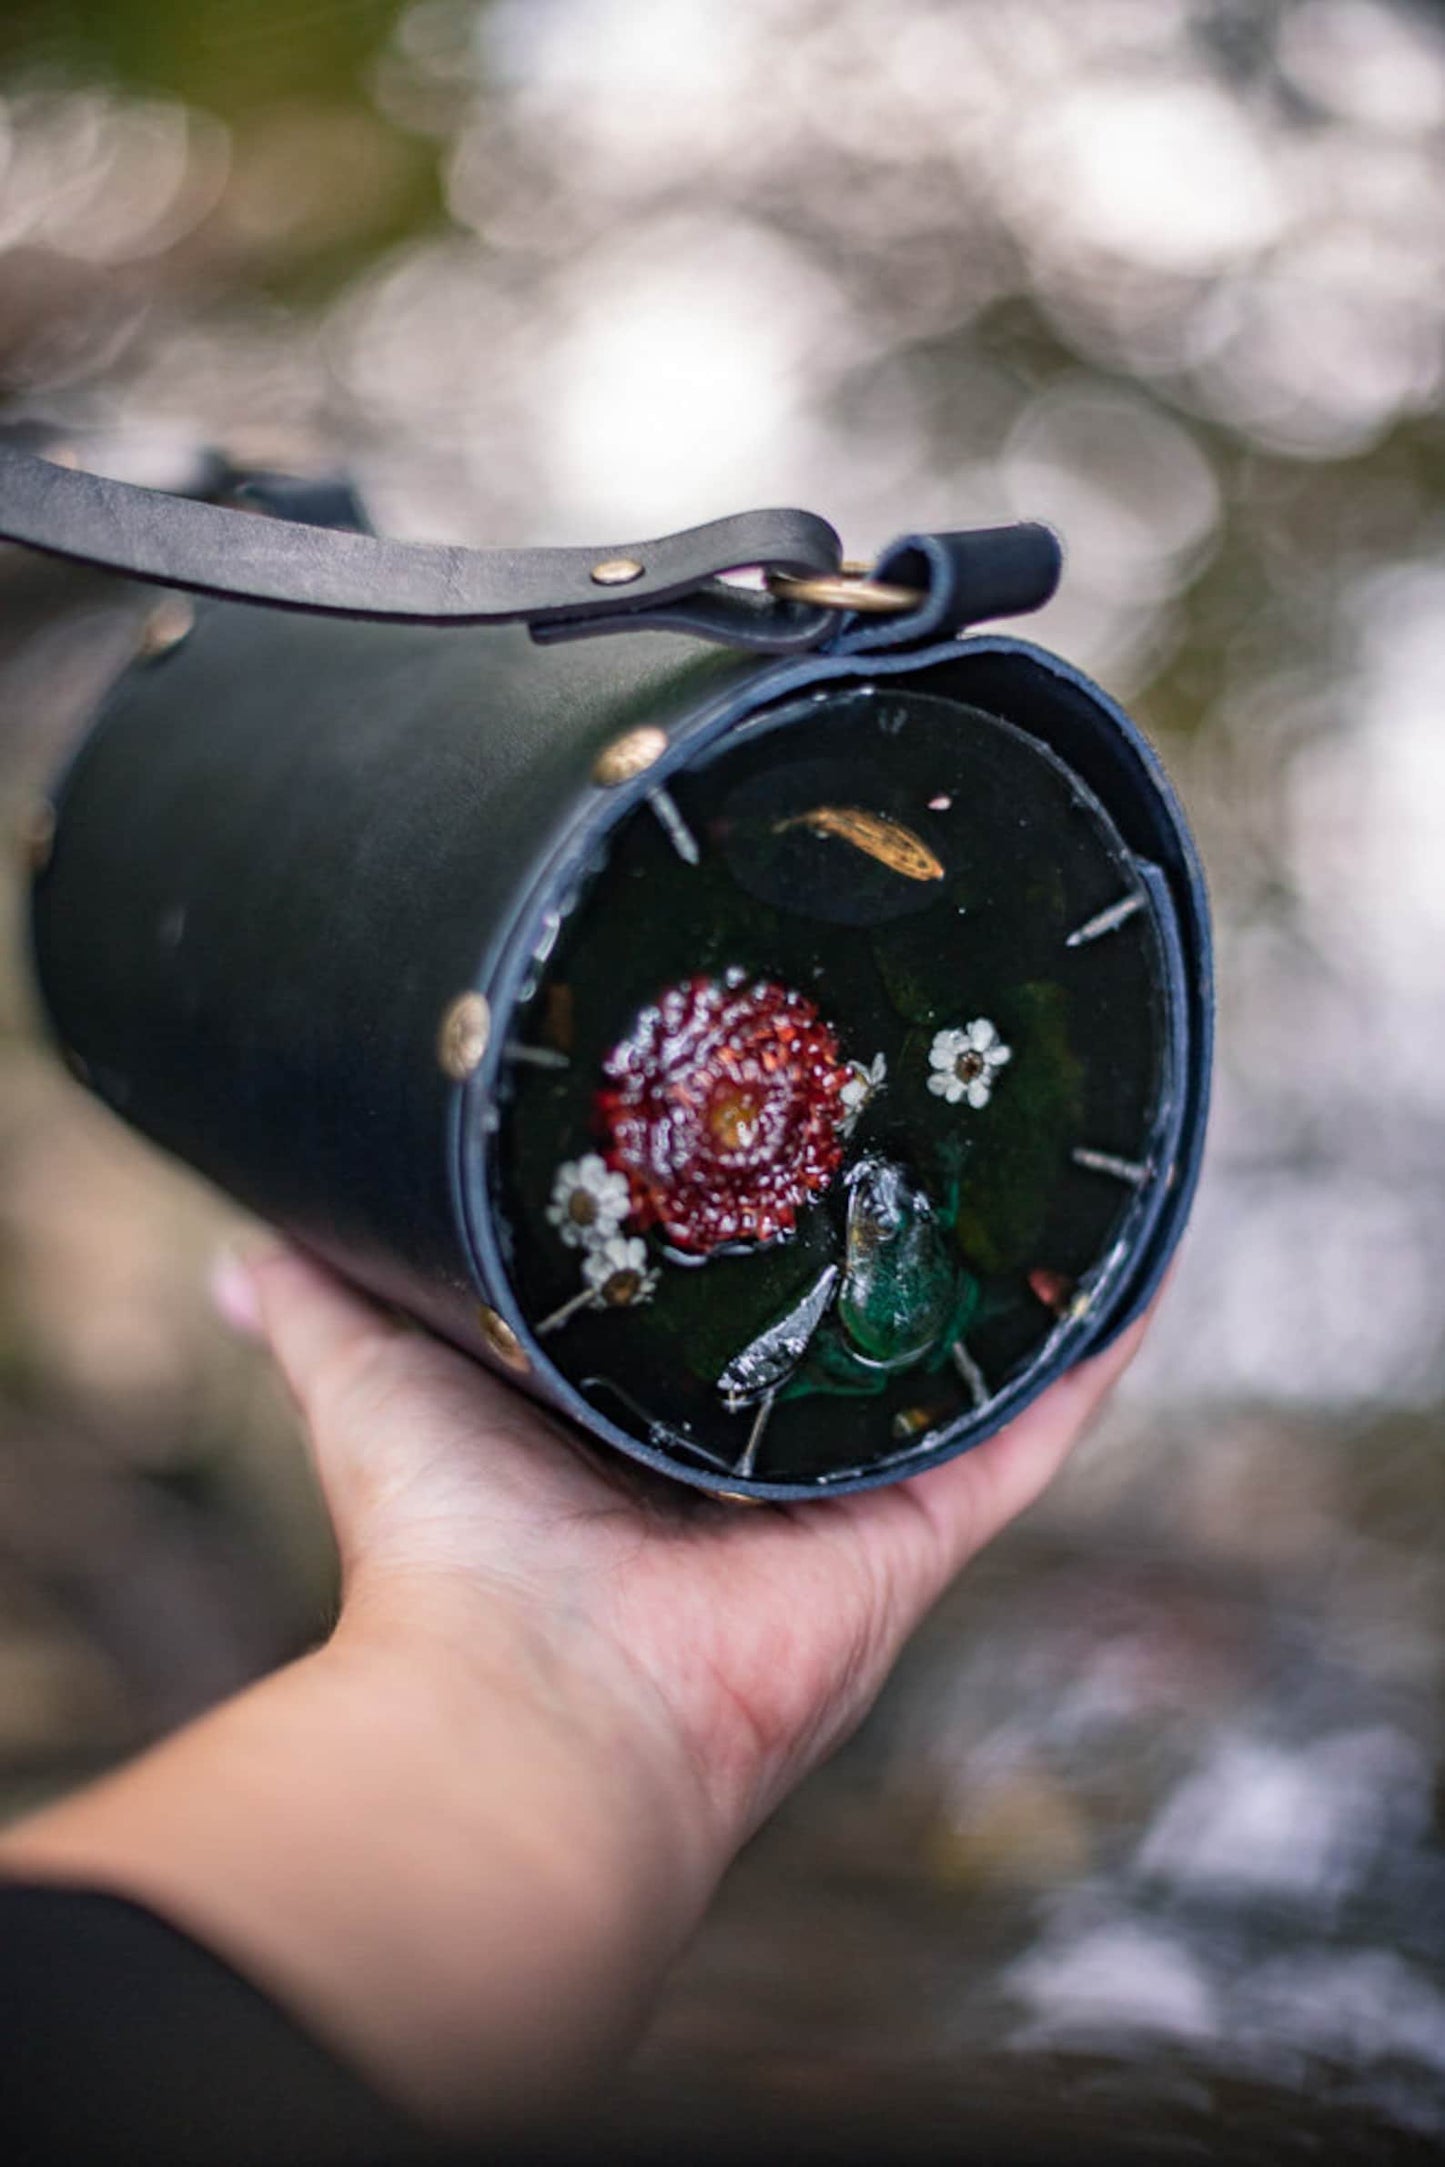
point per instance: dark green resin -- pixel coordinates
(929, 1233)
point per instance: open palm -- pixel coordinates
(757, 1638)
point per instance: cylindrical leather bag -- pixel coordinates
(377, 924)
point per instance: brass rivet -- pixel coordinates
(37, 837)
(735, 1497)
(502, 1340)
(166, 626)
(616, 571)
(462, 1036)
(629, 755)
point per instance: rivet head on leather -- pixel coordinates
(629, 755)
(502, 1341)
(166, 626)
(462, 1035)
(616, 572)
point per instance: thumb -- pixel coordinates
(326, 1339)
(354, 1372)
(424, 1458)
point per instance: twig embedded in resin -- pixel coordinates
(749, 1458)
(972, 1375)
(1106, 921)
(678, 833)
(536, 1056)
(585, 1299)
(1108, 1162)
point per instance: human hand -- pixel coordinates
(466, 1837)
(743, 1645)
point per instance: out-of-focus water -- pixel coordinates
(1146, 1830)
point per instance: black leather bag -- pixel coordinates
(307, 880)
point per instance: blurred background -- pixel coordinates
(1149, 1834)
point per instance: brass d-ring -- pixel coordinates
(850, 587)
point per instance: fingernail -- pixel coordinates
(233, 1295)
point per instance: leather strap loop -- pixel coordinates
(965, 579)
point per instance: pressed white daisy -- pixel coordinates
(589, 1201)
(616, 1271)
(614, 1276)
(966, 1062)
(865, 1079)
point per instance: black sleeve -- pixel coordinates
(121, 2039)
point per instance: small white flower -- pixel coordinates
(865, 1079)
(966, 1062)
(589, 1202)
(616, 1271)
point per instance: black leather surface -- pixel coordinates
(286, 847)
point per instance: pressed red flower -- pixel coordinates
(724, 1110)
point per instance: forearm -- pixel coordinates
(468, 1893)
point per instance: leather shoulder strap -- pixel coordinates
(301, 548)
(217, 550)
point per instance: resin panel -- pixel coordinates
(839, 1093)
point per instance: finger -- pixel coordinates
(971, 1499)
(321, 1333)
(393, 1414)
(382, 1406)
(233, 1295)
